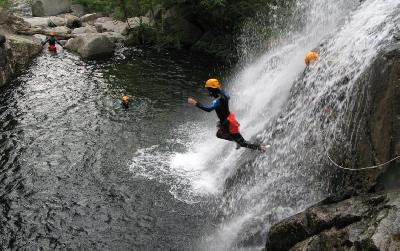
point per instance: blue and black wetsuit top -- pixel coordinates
(220, 104)
(52, 41)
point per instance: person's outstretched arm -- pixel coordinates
(46, 41)
(208, 108)
(58, 42)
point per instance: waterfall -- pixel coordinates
(298, 111)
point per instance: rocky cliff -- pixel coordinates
(16, 51)
(365, 214)
(368, 222)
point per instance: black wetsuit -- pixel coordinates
(125, 105)
(221, 106)
(52, 41)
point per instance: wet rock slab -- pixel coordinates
(368, 222)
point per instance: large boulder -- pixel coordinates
(90, 17)
(83, 30)
(59, 30)
(23, 48)
(56, 21)
(91, 45)
(103, 19)
(112, 26)
(37, 21)
(378, 127)
(138, 21)
(115, 37)
(368, 222)
(73, 21)
(16, 52)
(42, 8)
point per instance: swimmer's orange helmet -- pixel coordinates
(125, 99)
(311, 57)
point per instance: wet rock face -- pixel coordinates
(369, 222)
(373, 124)
(15, 51)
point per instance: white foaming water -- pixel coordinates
(294, 110)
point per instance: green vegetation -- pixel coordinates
(120, 8)
(4, 3)
(220, 21)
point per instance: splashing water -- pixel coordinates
(297, 111)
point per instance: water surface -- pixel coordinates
(66, 152)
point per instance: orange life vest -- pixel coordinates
(233, 124)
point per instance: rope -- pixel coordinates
(361, 169)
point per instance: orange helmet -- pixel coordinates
(125, 99)
(311, 57)
(52, 33)
(213, 83)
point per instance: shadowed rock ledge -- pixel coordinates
(367, 222)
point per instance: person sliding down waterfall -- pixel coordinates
(52, 42)
(228, 127)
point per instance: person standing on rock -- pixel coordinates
(52, 42)
(228, 127)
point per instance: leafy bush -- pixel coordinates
(4, 3)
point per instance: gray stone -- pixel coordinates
(138, 21)
(90, 17)
(42, 8)
(16, 53)
(56, 21)
(82, 30)
(73, 21)
(37, 21)
(40, 37)
(91, 45)
(103, 19)
(115, 37)
(367, 222)
(59, 30)
(112, 26)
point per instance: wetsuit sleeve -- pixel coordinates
(45, 42)
(208, 108)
